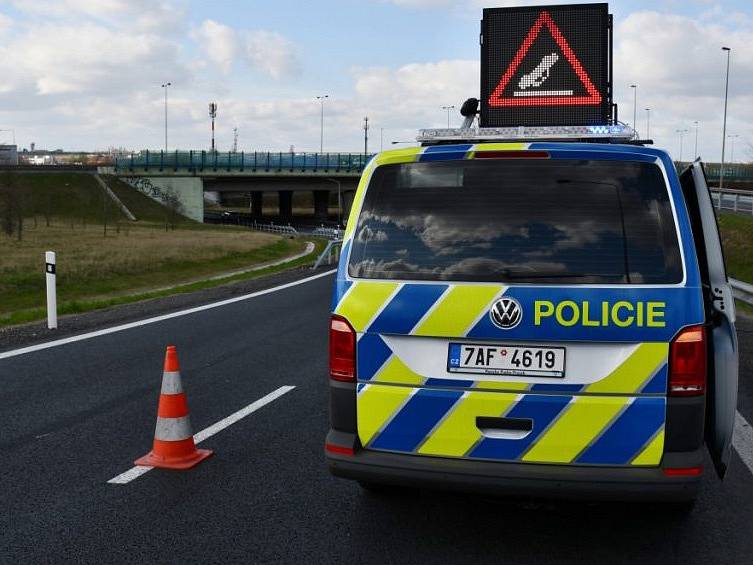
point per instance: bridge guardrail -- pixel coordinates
(742, 291)
(740, 201)
(329, 233)
(331, 253)
(201, 161)
(274, 228)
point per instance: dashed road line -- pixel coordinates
(136, 472)
(155, 319)
(742, 441)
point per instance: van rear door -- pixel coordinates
(518, 308)
(720, 307)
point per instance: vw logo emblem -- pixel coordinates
(506, 313)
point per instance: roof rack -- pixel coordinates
(618, 133)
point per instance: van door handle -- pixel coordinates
(504, 428)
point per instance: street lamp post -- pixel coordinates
(695, 146)
(165, 87)
(681, 132)
(732, 136)
(213, 115)
(381, 139)
(321, 100)
(448, 108)
(635, 106)
(724, 123)
(648, 123)
(365, 135)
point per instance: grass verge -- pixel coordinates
(81, 306)
(737, 241)
(139, 261)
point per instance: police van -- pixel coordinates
(532, 310)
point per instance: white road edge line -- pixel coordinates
(742, 440)
(128, 326)
(136, 472)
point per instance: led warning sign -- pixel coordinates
(545, 65)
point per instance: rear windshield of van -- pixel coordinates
(518, 220)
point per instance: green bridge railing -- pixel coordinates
(229, 161)
(732, 171)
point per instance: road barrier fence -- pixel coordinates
(740, 201)
(234, 161)
(742, 291)
(330, 255)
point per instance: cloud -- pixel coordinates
(219, 42)
(5, 23)
(271, 53)
(679, 67)
(268, 52)
(421, 3)
(86, 73)
(143, 14)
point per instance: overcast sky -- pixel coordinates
(86, 74)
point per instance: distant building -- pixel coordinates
(8, 155)
(40, 160)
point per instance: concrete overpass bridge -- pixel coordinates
(189, 174)
(247, 176)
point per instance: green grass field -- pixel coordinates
(134, 260)
(737, 242)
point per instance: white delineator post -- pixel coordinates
(52, 298)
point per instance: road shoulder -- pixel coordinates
(30, 334)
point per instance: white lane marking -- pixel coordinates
(136, 472)
(128, 326)
(742, 440)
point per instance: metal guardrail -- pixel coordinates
(274, 228)
(330, 254)
(229, 218)
(742, 291)
(740, 201)
(329, 233)
(229, 161)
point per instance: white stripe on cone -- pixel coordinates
(171, 383)
(173, 429)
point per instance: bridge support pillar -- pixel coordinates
(321, 205)
(286, 204)
(348, 198)
(256, 204)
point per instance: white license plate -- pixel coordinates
(500, 359)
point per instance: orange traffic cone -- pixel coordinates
(173, 447)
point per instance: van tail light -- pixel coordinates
(342, 350)
(687, 362)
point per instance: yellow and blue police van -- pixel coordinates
(532, 310)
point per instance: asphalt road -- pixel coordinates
(76, 415)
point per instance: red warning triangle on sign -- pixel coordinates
(497, 99)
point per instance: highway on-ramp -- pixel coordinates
(75, 415)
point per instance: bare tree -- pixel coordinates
(7, 216)
(11, 205)
(104, 212)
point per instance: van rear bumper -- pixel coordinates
(517, 479)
